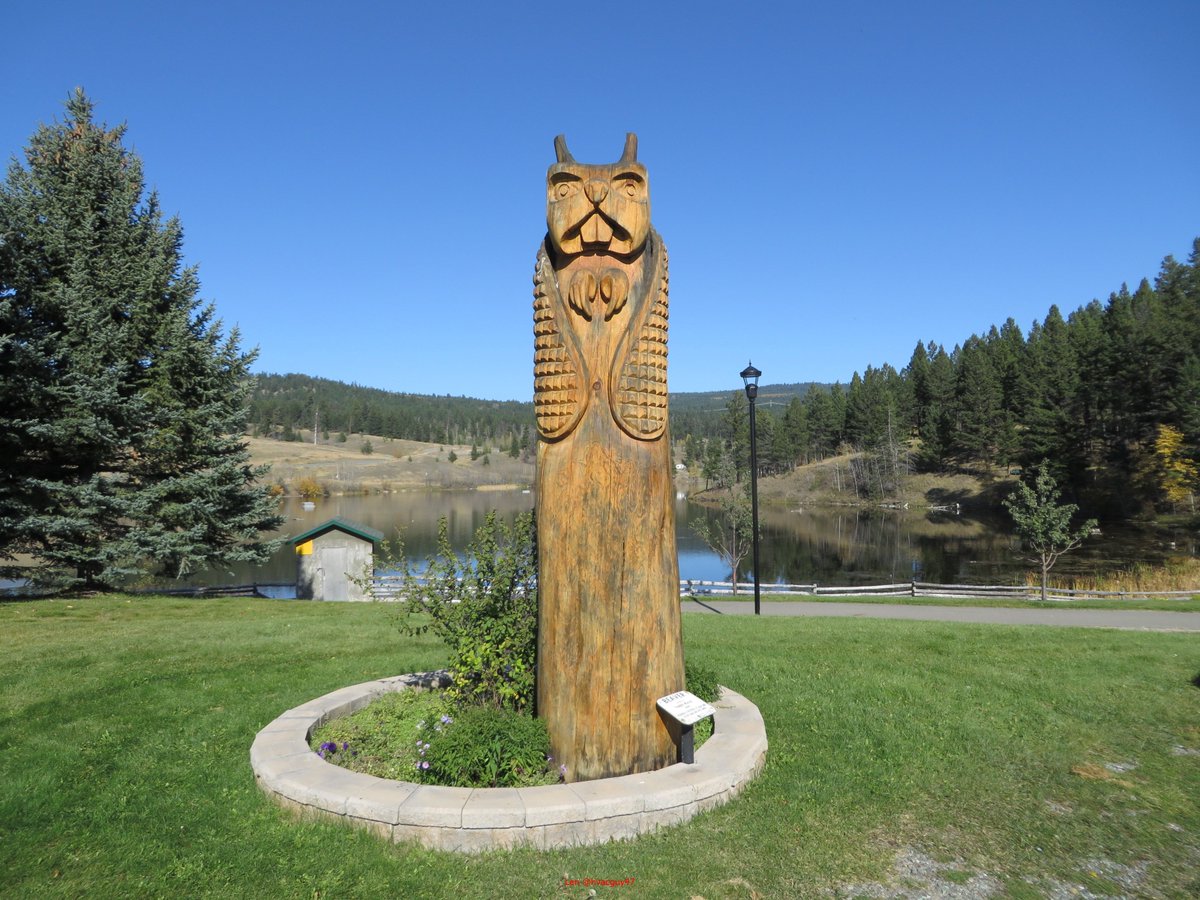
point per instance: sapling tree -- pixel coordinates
(1044, 524)
(731, 534)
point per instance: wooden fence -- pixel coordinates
(390, 587)
(923, 589)
(258, 589)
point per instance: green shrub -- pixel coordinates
(380, 739)
(483, 746)
(484, 606)
(701, 681)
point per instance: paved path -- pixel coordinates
(1129, 619)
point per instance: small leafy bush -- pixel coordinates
(484, 746)
(484, 606)
(701, 681)
(310, 489)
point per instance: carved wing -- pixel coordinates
(559, 398)
(638, 388)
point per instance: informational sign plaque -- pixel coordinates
(685, 708)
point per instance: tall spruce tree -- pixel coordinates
(978, 399)
(122, 402)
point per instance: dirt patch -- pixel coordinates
(916, 874)
(1096, 772)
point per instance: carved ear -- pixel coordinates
(630, 154)
(561, 151)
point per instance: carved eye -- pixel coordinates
(628, 186)
(563, 189)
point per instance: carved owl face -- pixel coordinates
(598, 209)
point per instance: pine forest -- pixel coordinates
(1108, 396)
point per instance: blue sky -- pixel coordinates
(361, 184)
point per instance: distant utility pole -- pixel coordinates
(316, 417)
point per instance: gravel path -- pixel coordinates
(1128, 619)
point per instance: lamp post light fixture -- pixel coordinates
(750, 376)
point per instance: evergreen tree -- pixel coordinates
(937, 418)
(1009, 361)
(121, 402)
(1055, 384)
(826, 416)
(795, 430)
(978, 402)
(736, 422)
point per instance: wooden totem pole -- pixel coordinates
(609, 638)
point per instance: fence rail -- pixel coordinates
(924, 589)
(390, 587)
(224, 590)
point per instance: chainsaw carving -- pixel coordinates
(609, 640)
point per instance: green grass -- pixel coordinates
(1177, 604)
(125, 727)
(381, 739)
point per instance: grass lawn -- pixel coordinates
(1029, 759)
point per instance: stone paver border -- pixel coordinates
(472, 820)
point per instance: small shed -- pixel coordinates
(329, 555)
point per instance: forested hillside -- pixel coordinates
(1108, 395)
(283, 406)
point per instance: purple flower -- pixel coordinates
(345, 745)
(425, 765)
(446, 720)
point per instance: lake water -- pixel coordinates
(841, 546)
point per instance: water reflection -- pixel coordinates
(840, 546)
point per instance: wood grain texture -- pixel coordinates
(609, 640)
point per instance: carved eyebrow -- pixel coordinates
(629, 176)
(561, 177)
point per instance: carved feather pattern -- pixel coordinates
(558, 400)
(640, 397)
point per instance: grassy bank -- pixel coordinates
(829, 483)
(1034, 759)
(392, 465)
(1172, 604)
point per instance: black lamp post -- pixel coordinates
(750, 376)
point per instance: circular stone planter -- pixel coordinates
(475, 819)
